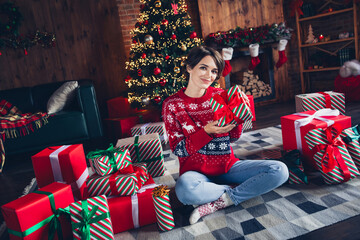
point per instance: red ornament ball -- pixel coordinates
(173, 36)
(164, 22)
(157, 99)
(162, 82)
(146, 22)
(128, 77)
(143, 56)
(134, 41)
(157, 71)
(193, 35)
(139, 72)
(167, 57)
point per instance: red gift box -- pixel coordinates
(293, 137)
(66, 164)
(33, 208)
(119, 107)
(122, 209)
(120, 127)
(252, 106)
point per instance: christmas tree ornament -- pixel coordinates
(173, 36)
(164, 22)
(183, 47)
(281, 49)
(143, 56)
(157, 3)
(254, 53)
(157, 71)
(167, 57)
(162, 82)
(157, 99)
(176, 69)
(153, 55)
(193, 35)
(128, 78)
(174, 6)
(139, 72)
(148, 39)
(161, 32)
(144, 79)
(145, 100)
(146, 22)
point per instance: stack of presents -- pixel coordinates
(94, 195)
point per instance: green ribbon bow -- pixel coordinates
(87, 219)
(355, 137)
(109, 153)
(137, 152)
(292, 160)
(55, 225)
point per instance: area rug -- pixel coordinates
(284, 213)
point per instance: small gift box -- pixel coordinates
(142, 169)
(41, 214)
(90, 219)
(320, 100)
(147, 149)
(65, 163)
(164, 215)
(331, 156)
(351, 137)
(111, 160)
(294, 127)
(148, 128)
(130, 212)
(114, 184)
(231, 107)
(292, 159)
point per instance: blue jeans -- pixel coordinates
(252, 178)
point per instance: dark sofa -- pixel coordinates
(80, 122)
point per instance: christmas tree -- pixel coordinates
(162, 37)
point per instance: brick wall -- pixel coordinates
(129, 11)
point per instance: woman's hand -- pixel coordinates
(212, 128)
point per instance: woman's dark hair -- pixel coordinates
(197, 53)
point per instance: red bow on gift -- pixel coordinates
(333, 152)
(226, 110)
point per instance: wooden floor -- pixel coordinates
(18, 172)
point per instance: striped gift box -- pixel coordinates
(91, 218)
(337, 174)
(147, 149)
(317, 101)
(236, 98)
(144, 175)
(351, 137)
(148, 128)
(247, 125)
(101, 164)
(115, 184)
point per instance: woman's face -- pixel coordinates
(203, 74)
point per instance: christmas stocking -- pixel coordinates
(282, 56)
(254, 53)
(227, 56)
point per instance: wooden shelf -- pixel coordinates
(328, 42)
(326, 14)
(321, 69)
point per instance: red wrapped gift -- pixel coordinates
(140, 204)
(66, 164)
(119, 107)
(29, 217)
(252, 106)
(120, 127)
(294, 127)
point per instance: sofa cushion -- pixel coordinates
(62, 97)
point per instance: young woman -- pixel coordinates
(207, 163)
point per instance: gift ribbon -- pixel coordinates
(355, 137)
(112, 182)
(331, 149)
(225, 111)
(137, 152)
(327, 99)
(143, 128)
(87, 219)
(135, 204)
(110, 153)
(308, 118)
(55, 225)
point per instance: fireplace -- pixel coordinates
(260, 81)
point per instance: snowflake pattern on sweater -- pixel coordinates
(185, 119)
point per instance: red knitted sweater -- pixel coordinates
(185, 119)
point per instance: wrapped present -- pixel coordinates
(164, 215)
(120, 127)
(145, 148)
(351, 137)
(111, 160)
(292, 159)
(130, 212)
(119, 107)
(42, 214)
(148, 128)
(320, 100)
(247, 125)
(90, 219)
(231, 107)
(142, 169)
(331, 156)
(252, 106)
(114, 184)
(294, 127)
(66, 164)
